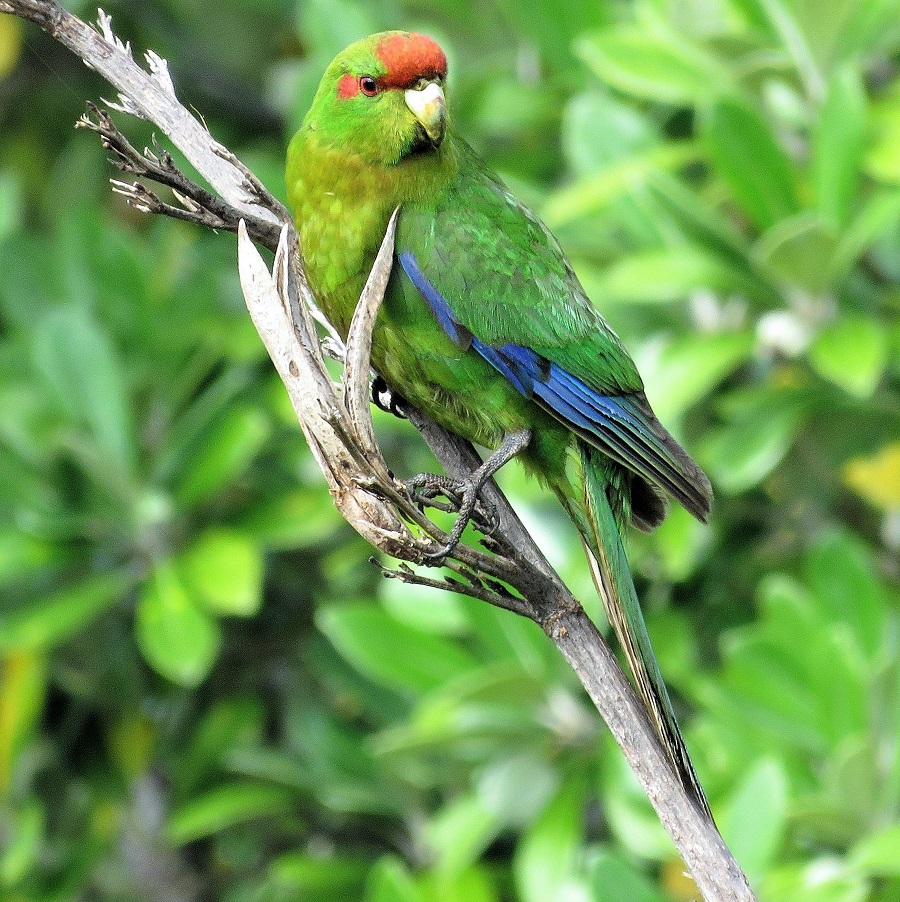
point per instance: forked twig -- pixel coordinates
(359, 347)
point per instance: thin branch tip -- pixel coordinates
(104, 28)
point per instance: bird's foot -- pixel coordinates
(461, 498)
(463, 494)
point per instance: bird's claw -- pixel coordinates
(464, 493)
(426, 487)
(462, 496)
(384, 398)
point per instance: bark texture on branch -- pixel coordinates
(512, 573)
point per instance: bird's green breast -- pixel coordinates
(342, 204)
(342, 207)
(341, 215)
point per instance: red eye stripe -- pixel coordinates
(409, 57)
(348, 86)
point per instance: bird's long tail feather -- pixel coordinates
(600, 531)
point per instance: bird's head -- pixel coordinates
(383, 97)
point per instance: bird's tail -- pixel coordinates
(596, 508)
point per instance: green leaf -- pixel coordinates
(268, 764)
(390, 881)
(750, 161)
(226, 452)
(878, 854)
(11, 200)
(838, 146)
(709, 230)
(807, 696)
(673, 635)
(814, 693)
(176, 636)
(741, 454)
(497, 700)
(81, 370)
(23, 695)
(783, 19)
(224, 569)
(662, 276)
(460, 832)
(224, 807)
(795, 248)
(330, 25)
(517, 788)
(201, 413)
(391, 652)
(816, 880)
(653, 65)
(544, 862)
(883, 156)
(877, 217)
(754, 820)
(598, 131)
(302, 518)
(45, 622)
(676, 546)
(596, 190)
(613, 879)
(852, 353)
(769, 693)
(551, 28)
(841, 573)
(337, 757)
(871, 26)
(470, 885)
(631, 818)
(21, 855)
(302, 876)
(755, 14)
(680, 373)
(424, 608)
(20, 554)
(507, 636)
(230, 722)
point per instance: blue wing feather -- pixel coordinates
(516, 369)
(452, 327)
(617, 425)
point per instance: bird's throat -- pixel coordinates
(342, 204)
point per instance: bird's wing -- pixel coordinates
(497, 281)
(506, 280)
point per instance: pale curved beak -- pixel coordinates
(430, 109)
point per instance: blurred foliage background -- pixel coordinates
(208, 693)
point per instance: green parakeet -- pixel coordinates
(484, 325)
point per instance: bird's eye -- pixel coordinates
(368, 85)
